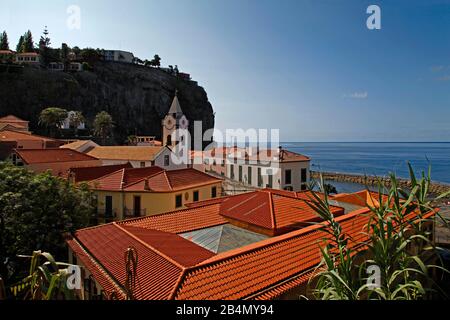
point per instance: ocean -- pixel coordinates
(378, 158)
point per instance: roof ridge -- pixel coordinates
(145, 178)
(272, 211)
(168, 180)
(107, 175)
(171, 260)
(275, 240)
(116, 283)
(32, 135)
(165, 213)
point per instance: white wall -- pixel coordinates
(159, 161)
(278, 174)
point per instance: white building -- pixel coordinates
(30, 58)
(118, 56)
(277, 169)
(139, 157)
(66, 124)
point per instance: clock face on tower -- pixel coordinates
(169, 123)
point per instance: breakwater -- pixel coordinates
(435, 188)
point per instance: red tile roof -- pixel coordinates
(199, 217)
(120, 179)
(262, 270)
(247, 271)
(10, 135)
(270, 209)
(93, 173)
(34, 156)
(153, 179)
(13, 120)
(162, 257)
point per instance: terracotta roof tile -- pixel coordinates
(243, 272)
(262, 270)
(9, 135)
(93, 173)
(126, 153)
(155, 179)
(161, 258)
(122, 178)
(51, 155)
(13, 119)
(183, 220)
(270, 209)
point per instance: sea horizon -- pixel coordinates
(377, 158)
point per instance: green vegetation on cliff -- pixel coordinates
(135, 96)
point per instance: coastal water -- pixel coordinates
(376, 158)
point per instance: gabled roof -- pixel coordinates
(170, 268)
(13, 119)
(10, 135)
(126, 153)
(282, 156)
(272, 210)
(154, 179)
(182, 221)
(11, 126)
(253, 269)
(77, 144)
(34, 156)
(162, 257)
(119, 180)
(92, 173)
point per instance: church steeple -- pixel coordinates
(175, 119)
(175, 108)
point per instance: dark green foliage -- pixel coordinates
(52, 118)
(19, 47)
(44, 47)
(35, 211)
(4, 43)
(103, 126)
(28, 44)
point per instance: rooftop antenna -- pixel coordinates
(131, 261)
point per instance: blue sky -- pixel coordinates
(309, 68)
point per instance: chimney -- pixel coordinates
(146, 186)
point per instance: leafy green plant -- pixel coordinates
(46, 280)
(35, 211)
(399, 246)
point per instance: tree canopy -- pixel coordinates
(35, 211)
(53, 118)
(4, 43)
(103, 125)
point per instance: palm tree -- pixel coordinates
(75, 120)
(53, 119)
(103, 125)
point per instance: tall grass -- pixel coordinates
(399, 247)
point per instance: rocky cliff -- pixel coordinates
(137, 97)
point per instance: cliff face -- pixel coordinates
(137, 97)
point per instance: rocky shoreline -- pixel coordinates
(435, 188)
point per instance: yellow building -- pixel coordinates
(137, 192)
